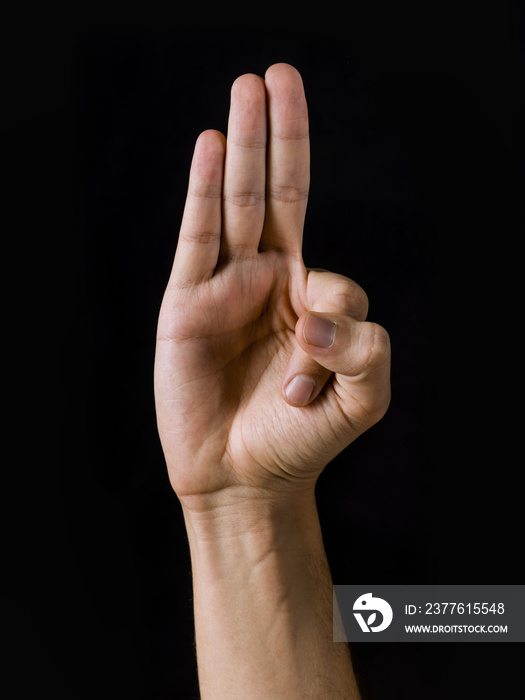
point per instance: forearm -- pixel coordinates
(263, 602)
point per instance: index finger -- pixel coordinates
(288, 165)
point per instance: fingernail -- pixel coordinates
(300, 389)
(319, 331)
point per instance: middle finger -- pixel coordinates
(245, 169)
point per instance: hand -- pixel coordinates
(264, 370)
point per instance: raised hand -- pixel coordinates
(264, 370)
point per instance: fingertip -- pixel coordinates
(316, 329)
(208, 156)
(211, 141)
(300, 390)
(281, 70)
(248, 84)
(285, 84)
(343, 344)
(247, 119)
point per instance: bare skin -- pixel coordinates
(264, 372)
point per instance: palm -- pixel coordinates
(227, 328)
(228, 348)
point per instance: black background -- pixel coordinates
(417, 184)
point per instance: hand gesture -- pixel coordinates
(264, 370)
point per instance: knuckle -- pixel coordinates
(244, 198)
(351, 298)
(376, 346)
(200, 236)
(360, 299)
(208, 191)
(289, 194)
(249, 143)
(375, 407)
(339, 293)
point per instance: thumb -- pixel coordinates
(359, 354)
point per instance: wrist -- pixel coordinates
(242, 512)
